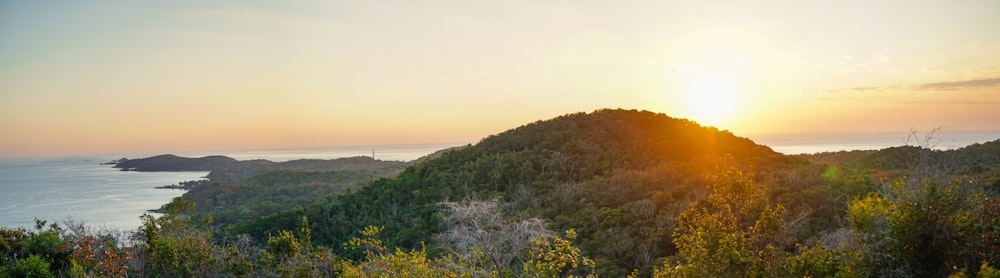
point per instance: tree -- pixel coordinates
(931, 220)
(927, 229)
(731, 233)
(34, 266)
(378, 263)
(556, 257)
(478, 227)
(173, 246)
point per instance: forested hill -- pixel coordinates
(627, 139)
(253, 168)
(856, 172)
(613, 175)
(239, 192)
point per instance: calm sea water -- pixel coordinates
(100, 196)
(80, 188)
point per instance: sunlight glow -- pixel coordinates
(291, 74)
(712, 99)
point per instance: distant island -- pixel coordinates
(227, 168)
(169, 162)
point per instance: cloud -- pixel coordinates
(936, 86)
(221, 36)
(873, 88)
(955, 85)
(938, 102)
(263, 18)
(860, 90)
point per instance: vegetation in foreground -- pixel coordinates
(613, 193)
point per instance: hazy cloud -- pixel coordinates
(873, 88)
(860, 90)
(937, 86)
(955, 85)
(263, 18)
(220, 36)
(938, 102)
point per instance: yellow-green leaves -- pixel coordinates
(729, 234)
(553, 256)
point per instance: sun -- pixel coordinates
(711, 99)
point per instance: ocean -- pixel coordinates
(84, 191)
(56, 190)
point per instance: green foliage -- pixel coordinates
(34, 266)
(630, 187)
(284, 245)
(396, 264)
(871, 213)
(556, 257)
(369, 243)
(923, 229)
(261, 204)
(615, 175)
(13, 244)
(172, 245)
(820, 261)
(731, 233)
(377, 263)
(27, 252)
(306, 233)
(288, 256)
(986, 271)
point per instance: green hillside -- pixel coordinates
(616, 176)
(243, 192)
(609, 193)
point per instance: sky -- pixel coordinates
(110, 77)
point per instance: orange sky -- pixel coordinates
(119, 77)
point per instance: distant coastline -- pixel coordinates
(792, 144)
(397, 152)
(87, 189)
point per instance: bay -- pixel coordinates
(83, 190)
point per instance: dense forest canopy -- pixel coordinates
(610, 193)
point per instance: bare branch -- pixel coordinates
(479, 226)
